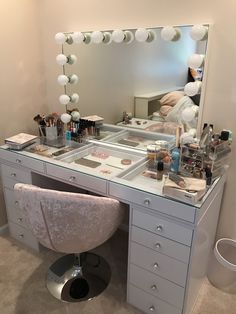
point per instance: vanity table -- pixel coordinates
(169, 241)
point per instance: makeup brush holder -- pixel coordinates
(52, 135)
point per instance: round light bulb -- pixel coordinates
(107, 38)
(188, 114)
(63, 80)
(60, 38)
(199, 32)
(129, 37)
(65, 118)
(87, 38)
(97, 37)
(143, 34)
(195, 61)
(75, 115)
(77, 37)
(192, 88)
(72, 59)
(118, 36)
(64, 99)
(73, 79)
(61, 59)
(170, 33)
(74, 98)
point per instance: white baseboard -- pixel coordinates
(3, 229)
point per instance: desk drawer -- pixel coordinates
(148, 303)
(161, 226)
(161, 204)
(31, 163)
(8, 155)
(157, 286)
(23, 235)
(14, 213)
(77, 178)
(19, 175)
(159, 264)
(160, 244)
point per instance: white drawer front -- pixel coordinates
(162, 226)
(8, 155)
(31, 163)
(14, 213)
(77, 178)
(157, 286)
(159, 264)
(161, 204)
(148, 303)
(9, 183)
(23, 235)
(16, 174)
(160, 244)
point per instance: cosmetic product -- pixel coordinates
(177, 179)
(87, 162)
(224, 136)
(126, 162)
(175, 155)
(208, 175)
(160, 170)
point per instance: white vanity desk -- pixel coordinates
(169, 241)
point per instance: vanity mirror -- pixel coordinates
(109, 72)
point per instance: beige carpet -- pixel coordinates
(23, 291)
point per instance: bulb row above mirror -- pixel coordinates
(168, 33)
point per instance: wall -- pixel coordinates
(21, 80)
(63, 15)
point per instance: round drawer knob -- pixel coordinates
(147, 201)
(16, 203)
(72, 178)
(20, 219)
(156, 266)
(18, 161)
(159, 228)
(154, 287)
(13, 174)
(21, 236)
(152, 308)
(158, 245)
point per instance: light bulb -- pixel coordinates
(129, 37)
(170, 33)
(73, 79)
(78, 37)
(75, 115)
(97, 37)
(65, 118)
(143, 34)
(71, 59)
(61, 59)
(118, 36)
(188, 114)
(74, 98)
(195, 61)
(64, 99)
(199, 32)
(193, 88)
(63, 79)
(107, 38)
(60, 38)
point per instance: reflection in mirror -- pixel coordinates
(155, 74)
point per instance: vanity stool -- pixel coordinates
(72, 223)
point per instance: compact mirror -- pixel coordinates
(132, 70)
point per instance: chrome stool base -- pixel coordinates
(75, 278)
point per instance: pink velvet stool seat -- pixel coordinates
(72, 223)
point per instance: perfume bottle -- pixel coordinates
(160, 170)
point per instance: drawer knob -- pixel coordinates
(154, 287)
(72, 178)
(21, 236)
(16, 203)
(147, 201)
(20, 219)
(158, 245)
(13, 174)
(18, 161)
(156, 266)
(159, 228)
(152, 308)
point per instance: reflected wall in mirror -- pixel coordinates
(134, 75)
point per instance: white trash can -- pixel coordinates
(222, 268)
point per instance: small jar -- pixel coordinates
(151, 152)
